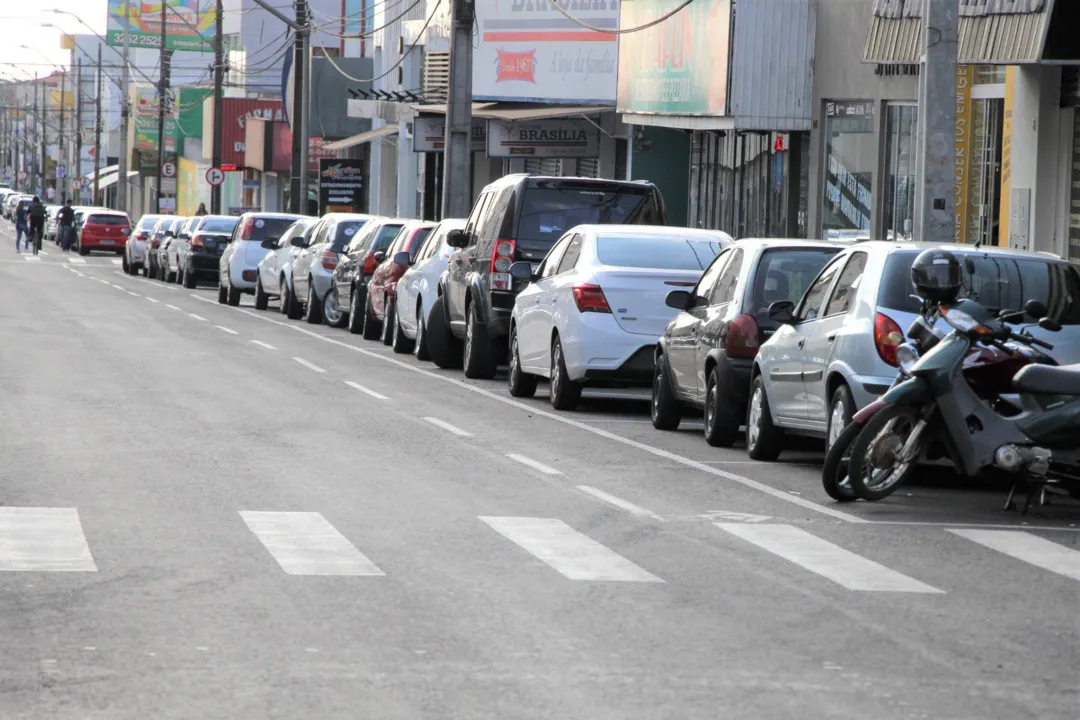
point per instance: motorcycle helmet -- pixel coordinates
(937, 276)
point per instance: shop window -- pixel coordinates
(850, 157)
(898, 208)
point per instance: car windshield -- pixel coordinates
(386, 235)
(997, 282)
(785, 274)
(218, 225)
(108, 220)
(661, 253)
(548, 211)
(147, 222)
(268, 228)
(344, 232)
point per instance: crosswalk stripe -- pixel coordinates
(823, 558)
(576, 556)
(41, 539)
(77, 260)
(1024, 546)
(31, 258)
(117, 261)
(305, 543)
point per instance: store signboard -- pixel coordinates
(529, 51)
(341, 185)
(429, 134)
(189, 24)
(678, 66)
(543, 139)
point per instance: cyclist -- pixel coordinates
(66, 221)
(37, 222)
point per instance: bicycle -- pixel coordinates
(37, 235)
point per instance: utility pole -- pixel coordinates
(61, 183)
(44, 138)
(219, 78)
(37, 137)
(97, 129)
(935, 174)
(457, 158)
(78, 127)
(299, 111)
(163, 101)
(122, 179)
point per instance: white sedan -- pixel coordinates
(418, 288)
(595, 306)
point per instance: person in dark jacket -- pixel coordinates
(20, 226)
(37, 222)
(65, 220)
(202, 210)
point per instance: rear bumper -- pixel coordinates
(598, 350)
(635, 371)
(733, 377)
(110, 245)
(203, 264)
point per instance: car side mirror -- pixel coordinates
(678, 299)
(126, 231)
(783, 312)
(379, 256)
(1035, 308)
(1050, 324)
(402, 258)
(457, 239)
(522, 271)
(298, 242)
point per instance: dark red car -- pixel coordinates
(382, 288)
(104, 230)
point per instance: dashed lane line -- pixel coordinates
(366, 391)
(200, 318)
(173, 307)
(453, 429)
(534, 464)
(153, 300)
(309, 365)
(617, 501)
(260, 343)
(224, 329)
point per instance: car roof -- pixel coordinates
(517, 178)
(893, 246)
(97, 211)
(274, 215)
(653, 231)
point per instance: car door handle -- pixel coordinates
(831, 336)
(801, 343)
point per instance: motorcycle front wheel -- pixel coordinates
(886, 452)
(834, 474)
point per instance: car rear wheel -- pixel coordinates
(313, 306)
(290, 306)
(262, 300)
(222, 293)
(401, 344)
(333, 316)
(479, 357)
(763, 439)
(721, 414)
(189, 279)
(666, 408)
(372, 327)
(83, 251)
(388, 322)
(521, 383)
(126, 265)
(356, 314)
(565, 393)
(420, 347)
(170, 275)
(234, 296)
(443, 346)
(841, 411)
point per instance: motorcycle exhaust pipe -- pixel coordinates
(1014, 458)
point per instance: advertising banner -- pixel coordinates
(189, 24)
(144, 111)
(341, 184)
(529, 51)
(678, 67)
(543, 139)
(235, 113)
(429, 134)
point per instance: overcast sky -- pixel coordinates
(22, 25)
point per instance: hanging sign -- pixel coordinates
(563, 138)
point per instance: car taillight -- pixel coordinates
(197, 243)
(245, 234)
(887, 337)
(142, 236)
(590, 298)
(502, 257)
(329, 259)
(742, 337)
(370, 264)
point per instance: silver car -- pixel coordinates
(275, 270)
(177, 250)
(135, 249)
(254, 236)
(314, 266)
(836, 349)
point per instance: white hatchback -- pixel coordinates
(595, 306)
(418, 288)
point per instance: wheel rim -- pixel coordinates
(752, 429)
(419, 329)
(884, 465)
(710, 406)
(513, 359)
(836, 423)
(656, 392)
(556, 373)
(469, 337)
(332, 314)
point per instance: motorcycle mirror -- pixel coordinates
(1035, 308)
(1011, 317)
(1050, 324)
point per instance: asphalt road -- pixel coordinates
(212, 512)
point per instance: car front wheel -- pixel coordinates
(763, 439)
(479, 355)
(666, 408)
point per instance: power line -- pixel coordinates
(621, 31)
(371, 33)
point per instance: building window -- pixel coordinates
(898, 208)
(850, 151)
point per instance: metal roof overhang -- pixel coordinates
(109, 180)
(519, 111)
(361, 138)
(103, 171)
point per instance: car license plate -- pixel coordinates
(106, 242)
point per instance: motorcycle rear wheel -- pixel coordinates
(834, 474)
(875, 468)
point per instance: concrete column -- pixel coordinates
(407, 175)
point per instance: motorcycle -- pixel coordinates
(948, 395)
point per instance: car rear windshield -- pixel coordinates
(785, 274)
(662, 253)
(344, 233)
(269, 228)
(386, 235)
(218, 225)
(418, 239)
(547, 212)
(108, 220)
(147, 223)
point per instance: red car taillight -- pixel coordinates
(370, 264)
(329, 259)
(590, 298)
(197, 243)
(742, 337)
(502, 257)
(142, 236)
(887, 337)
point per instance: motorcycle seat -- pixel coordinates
(1048, 379)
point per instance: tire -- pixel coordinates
(565, 393)
(83, 251)
(388, 323)
(356, 314)
(420, 344)
(189, 280)
(721, 414)
(313, 306)
(764, 441)
(170, 277)
(291, 307)
(234, 297)
(841, 411)
(222, 293)
(521, 383)
(834, 475)
(372, 328)
(861, 446)
(342, 317)
(147, 270)
(401, 344)
(479, 357)
(126, 265)
(666, 409)
(262, 300)
(179, 275)
(444, 347)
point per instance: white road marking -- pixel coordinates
(222, 328)
(576, 556)
(261, 344)
(305, 543)
(117, 261)
(39, 539)
(367, 391)
(172, 307)
(118, 287)
(152, 300)
(617, 501)
(76, 260)
(535, 411)
(534, 464)
(1032, 549)
(197, 317)
(447, 426)
(32, 258)
(134, 294)
(823, 558)
(308, 364)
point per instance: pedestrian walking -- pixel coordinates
(21, 230)
(66, 221)
(201, 210)
(36, 213)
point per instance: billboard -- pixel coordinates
(341, 184)
(529, 51)
(189, 24)
(678, 67)
(144, 111)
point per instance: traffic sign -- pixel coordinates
(215, 176)
(87, 182)
(60, 171)
(168, 170)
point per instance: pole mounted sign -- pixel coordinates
(168, 170)
(215, 176)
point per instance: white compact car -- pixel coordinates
(255, 235)
(595, 306)
(275, 270)
(418, 288)
(135, 248)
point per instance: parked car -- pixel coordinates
(418, 288)
(51, 212)
(254, 236)
(594, 307)
(313, 268)
(275, 270)
(153, 244)
(208, 241)
(518, 218)
(105, 230)
(835, 351)
(176, 255)
(361, 257)
(135, 248)
(159, 244)
(705, 355)
(382, 287)
(167, 247)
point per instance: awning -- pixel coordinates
(361, 138)
(519, 111)
(110, 180)
(103, 171)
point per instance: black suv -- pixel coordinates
(518, 218)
